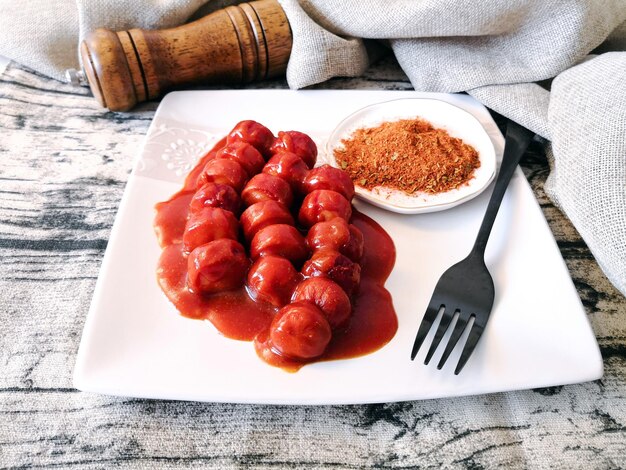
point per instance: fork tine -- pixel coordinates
(475, 334)
(443, 327)
(461, 323)
(427, 322)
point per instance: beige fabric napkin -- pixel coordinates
(496, 50)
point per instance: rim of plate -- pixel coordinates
(442, 114)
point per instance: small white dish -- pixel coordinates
(441, 114)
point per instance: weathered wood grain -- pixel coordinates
(63, 165)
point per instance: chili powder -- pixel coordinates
(409, 155)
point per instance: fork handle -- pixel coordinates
(517, 140)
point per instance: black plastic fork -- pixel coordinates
(467, 287)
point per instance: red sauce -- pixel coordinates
(373, 322)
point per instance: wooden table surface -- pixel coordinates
(64, 163)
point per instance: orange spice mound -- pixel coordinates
(409, 155)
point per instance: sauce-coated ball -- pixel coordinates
(328, 296)
(335, 266)
(217, 195)
(280, 240)
(272, 279)
(217, 266)
(322, 205)
(299, 143)
(210, 223)
(245, 154)
(300, 331)
(337, 234)
(253, 133)
(328, 177)
(264, 187)
(262, 214)
(224, 171)
(288, 166)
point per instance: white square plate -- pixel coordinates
(135, 344)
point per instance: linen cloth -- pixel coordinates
(495, 50)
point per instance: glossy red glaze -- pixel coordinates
(233, 313)
(328, 177)
(243, 153)
(288, 166)
(322, 205)
(253, 133)
(236, 315)
(328, 296)
(300, 331)
(223, 171)
(354, 248)
(337, 234)
(171, 217)
(207, 225)
(299, 143)
(218, 266)
(217, 195)
(266, 187)
(272, 279)
(262, 214)
(335, 266)
(280, 240)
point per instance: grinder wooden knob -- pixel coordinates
(242, 43)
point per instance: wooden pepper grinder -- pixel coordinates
(242, 43)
